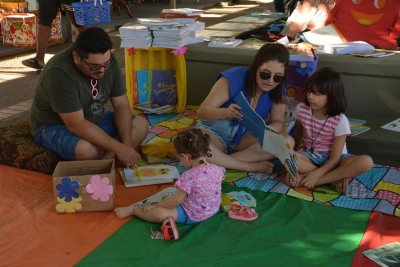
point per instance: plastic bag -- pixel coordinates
(159, 149)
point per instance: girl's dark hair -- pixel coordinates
(327, 81)
(93, 40)
(193, 142)
(268, 52)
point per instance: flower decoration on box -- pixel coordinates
(68, 207)
(100, 188)
(67, 189)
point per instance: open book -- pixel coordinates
(148, 175)
(386, 255)
(392, 126)
(270, 140)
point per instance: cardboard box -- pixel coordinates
(87, 185)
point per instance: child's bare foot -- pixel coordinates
(293, 182)
(123, 212)
(261, 166)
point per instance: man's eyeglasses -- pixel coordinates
(267, 76)
(97, 67)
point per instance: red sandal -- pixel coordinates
(242, 213)
(169, 229)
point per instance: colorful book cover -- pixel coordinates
(148, 175)
(242, 198)
(356, 121)
(163, 87)
(357, 127)
(142, 85)
(135, 98)
(149, 82)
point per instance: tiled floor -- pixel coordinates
(15, 109)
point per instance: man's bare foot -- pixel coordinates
(123, 212)
(261, 166)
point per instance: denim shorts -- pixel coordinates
(224, 130)
(182, 216)
(319, 158)
(57, 137)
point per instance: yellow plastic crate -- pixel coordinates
(156, 58)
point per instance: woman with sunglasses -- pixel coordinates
(263, 85)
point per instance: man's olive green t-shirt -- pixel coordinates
(62, 88)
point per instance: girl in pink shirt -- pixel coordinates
(322, 128)
(198, 190)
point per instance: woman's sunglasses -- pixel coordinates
(267, 76)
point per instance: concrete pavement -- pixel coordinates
(17, 82)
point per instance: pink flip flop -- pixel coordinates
(169, 229)
(242, 213)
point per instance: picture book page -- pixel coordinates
(270, 140)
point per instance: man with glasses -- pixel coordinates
(68, 114)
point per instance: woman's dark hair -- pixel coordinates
(93, 40)
(268, 52)
(327, 81)
(193, 142)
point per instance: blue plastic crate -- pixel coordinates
(92, 12)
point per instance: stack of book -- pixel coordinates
(135, 35)
(182, 13)
(169, 33)
(170, 36)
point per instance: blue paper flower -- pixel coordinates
(67, 189)
(304, 68)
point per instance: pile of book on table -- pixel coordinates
(178, 28)
(135, 35)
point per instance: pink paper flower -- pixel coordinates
(180, 51)
(100, 188)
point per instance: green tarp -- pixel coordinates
(288, 232)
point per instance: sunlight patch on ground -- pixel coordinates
(226, 10)
(262, 1)
(212, 15)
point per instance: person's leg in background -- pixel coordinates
(47, 13)
(279, 6)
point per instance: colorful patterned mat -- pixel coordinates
(376, 190)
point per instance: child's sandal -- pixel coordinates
(169, 229)
(242, 213)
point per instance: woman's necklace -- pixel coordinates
(312, 134)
